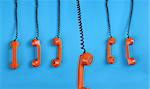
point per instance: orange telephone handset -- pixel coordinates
(131, 61)
(110, 58)
(85, 60)
(37, 62)
(14, 45)
(57, 42)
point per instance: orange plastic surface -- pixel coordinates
(37, 62)
(131, 61)
(110, 58)
(14, 45)
(85, 60)
(56, 62)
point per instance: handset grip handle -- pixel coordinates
(37, 62)
(14, 45)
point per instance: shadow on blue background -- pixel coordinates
(99, 75)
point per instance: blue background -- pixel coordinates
(99, 75)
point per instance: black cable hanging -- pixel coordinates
(108, 19)
(80, 26)
(16, 19)
(36, 17)
(130, 18)
(58, 18)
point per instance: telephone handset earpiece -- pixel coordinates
(110, 58)
(85, 60)
(37, 62)
(57, 42)
(131, 61)
(14, 45)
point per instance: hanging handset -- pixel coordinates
(131, 61)
(37, 62)
(110, 58)
(57, 42)
(14, 45)
(85, 60)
